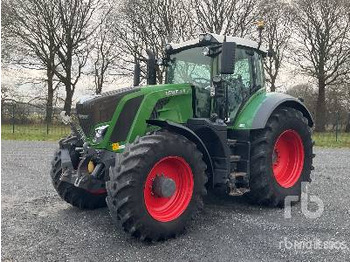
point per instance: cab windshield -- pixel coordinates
(190, 66)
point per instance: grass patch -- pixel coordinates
(35, 132)
(56, 132)
(328, 139)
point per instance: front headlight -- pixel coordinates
(99, 133)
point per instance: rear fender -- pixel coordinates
(259, 108)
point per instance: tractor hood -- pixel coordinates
(112, 119)
(99, 108)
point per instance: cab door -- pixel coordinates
(246, 80)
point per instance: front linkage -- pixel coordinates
(83, 166)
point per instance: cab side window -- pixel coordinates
(259, 70)
(240, 82)
(242, 72)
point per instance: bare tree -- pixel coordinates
(76, 27)
(347, 129)
(307, 93)
(324, 54)
(5, 94)
(148, 24)
(227, 17)
(278, 17)
(336, 110)
(6, 24)
(33, 22)
(105, 50)
(345, 97)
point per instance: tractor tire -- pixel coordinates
(73, 195)
(131, 196)
(281, 158)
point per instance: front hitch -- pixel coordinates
(83, 176)
(91, 172)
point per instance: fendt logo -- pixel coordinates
(176, 92)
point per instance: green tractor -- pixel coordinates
(151, 153)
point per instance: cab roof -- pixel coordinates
(244, 42)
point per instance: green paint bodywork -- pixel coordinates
(178, 109)
(246, 115)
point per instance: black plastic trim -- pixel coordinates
(125, 119)
(100, 108)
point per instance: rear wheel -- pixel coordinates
(75, 196)
(281, 157)
(156, 186)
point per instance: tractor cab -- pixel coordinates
(224, 71)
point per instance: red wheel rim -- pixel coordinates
(167, 209)
(97, 192)
(288, 158)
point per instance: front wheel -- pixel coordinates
(156, 186)
(281, 158)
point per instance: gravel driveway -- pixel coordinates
(38, 226)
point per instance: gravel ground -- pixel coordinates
(38, 226)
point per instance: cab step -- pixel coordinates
(238, 175)
(238, 191)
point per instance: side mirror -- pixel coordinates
(228, 58)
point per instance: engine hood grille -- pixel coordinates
(97, 109)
